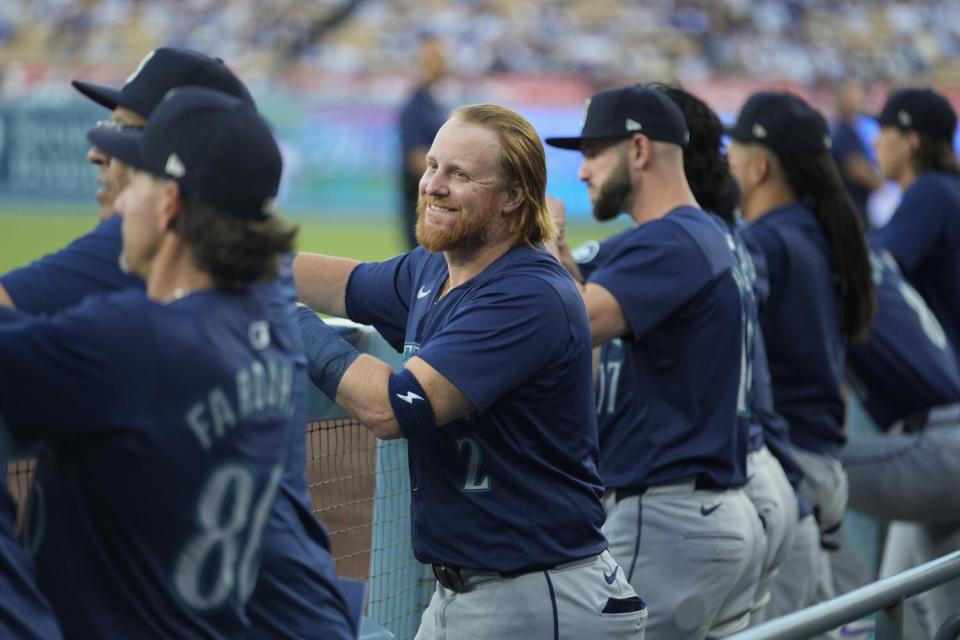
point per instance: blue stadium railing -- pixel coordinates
(399, 587)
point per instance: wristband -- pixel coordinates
(328, 355)
(410, 404)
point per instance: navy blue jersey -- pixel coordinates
(87, 265)
(295, 592)
(776, 430)
(801, 326)
(674, 414)
(847, 143)
(617, 370)
(746, 273)
(166, 428)
(24, 613)
(296, 595)
(924, 237)
(907, 364)
(513, 486)
(767, 427)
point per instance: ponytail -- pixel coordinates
(815, 180)
(935, 155)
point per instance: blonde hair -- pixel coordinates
(523, 162)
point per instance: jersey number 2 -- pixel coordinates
(476, 481)
(217, 562)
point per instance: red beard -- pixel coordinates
(469, 232)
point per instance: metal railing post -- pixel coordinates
(885, 596)
(890, 622)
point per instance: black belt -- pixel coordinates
(452, 577)
(703, 483)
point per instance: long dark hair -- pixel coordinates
(815, 180)
(704, 163)
(934, 154)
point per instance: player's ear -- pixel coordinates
(171, 204)
(913, 141)
(514, 197)
(640, 150)
(761, 166)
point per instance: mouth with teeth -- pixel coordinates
(435, 209)
(104, 193)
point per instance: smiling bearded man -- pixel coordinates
(495, 397)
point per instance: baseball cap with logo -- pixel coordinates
(215, 146)
(620, 113)
(922, 110)
(160, 71)
(783, 122)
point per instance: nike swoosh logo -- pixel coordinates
(613, 576)
(409, 397)
(705, 511)
(422, 293)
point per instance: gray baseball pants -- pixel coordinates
(695, 555)
(910, 480)
(568, 601)
(776, 502)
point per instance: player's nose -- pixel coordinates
(433, 184)
(583, 173)
(95, 156)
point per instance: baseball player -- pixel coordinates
(494, 399)
(820, 292)
(769, 486)
(673, 314)
(296, 596)
(24, 612)
(907, 377)
(915, 149)
(165, 412)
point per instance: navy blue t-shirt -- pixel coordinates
(24, 613)
(924, 237)
(907, 364)
(678, 418)
(166, 428)
(845, 143)
(296, 592)
(801, 326)
(513, 486)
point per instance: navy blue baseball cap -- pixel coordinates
(215, 146)
(620, 113)
(922, 110)
(783, 122)
(160, 71)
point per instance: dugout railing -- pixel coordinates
(885, 598)
(360, 488)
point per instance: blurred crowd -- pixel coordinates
(804, 41)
